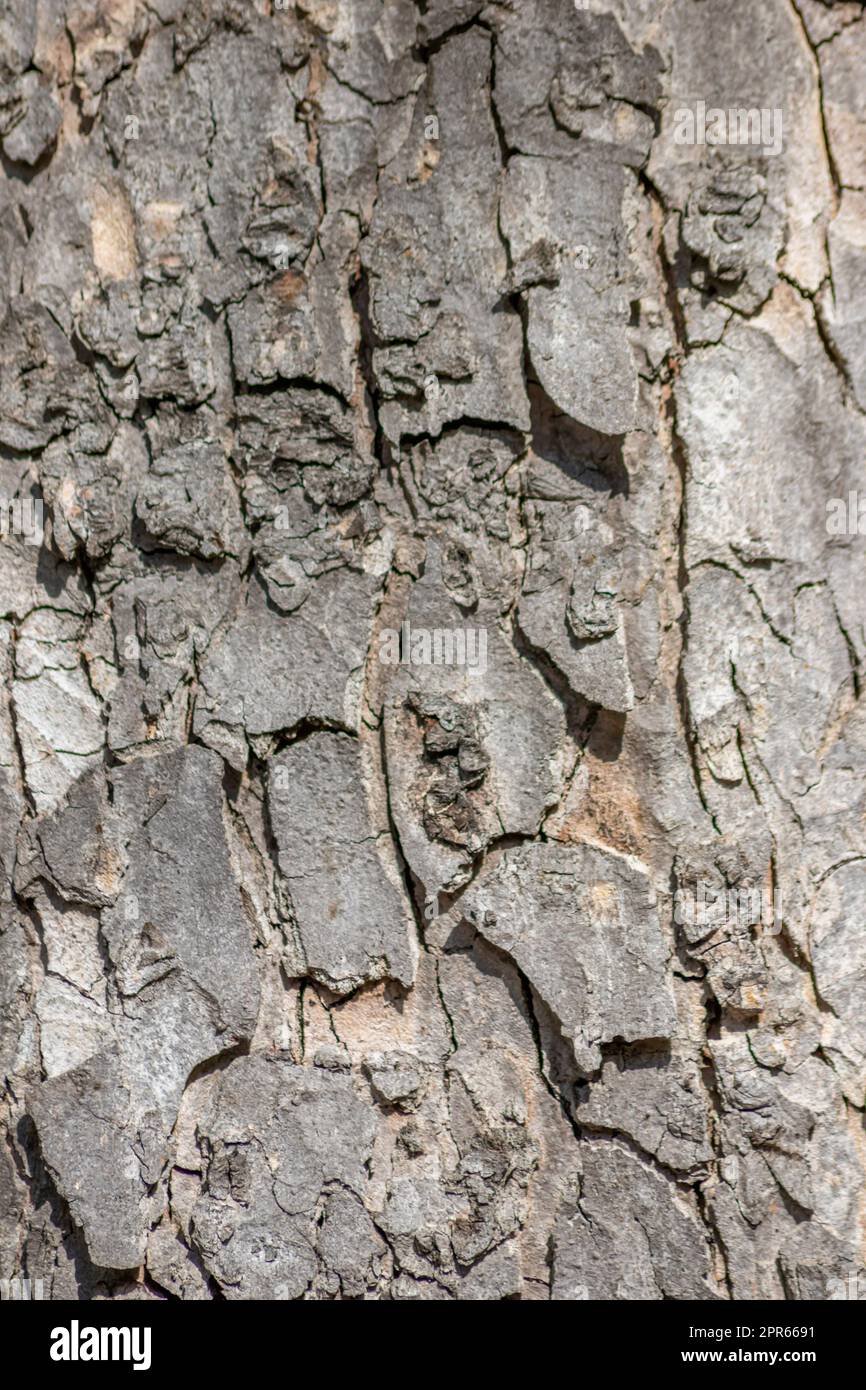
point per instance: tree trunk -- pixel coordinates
(433, 615)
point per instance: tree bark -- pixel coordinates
(431, 748)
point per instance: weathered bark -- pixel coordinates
(339, 336)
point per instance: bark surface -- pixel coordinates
(432, 806)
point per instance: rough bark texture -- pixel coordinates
(329, 975)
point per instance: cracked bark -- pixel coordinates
(330, 975)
